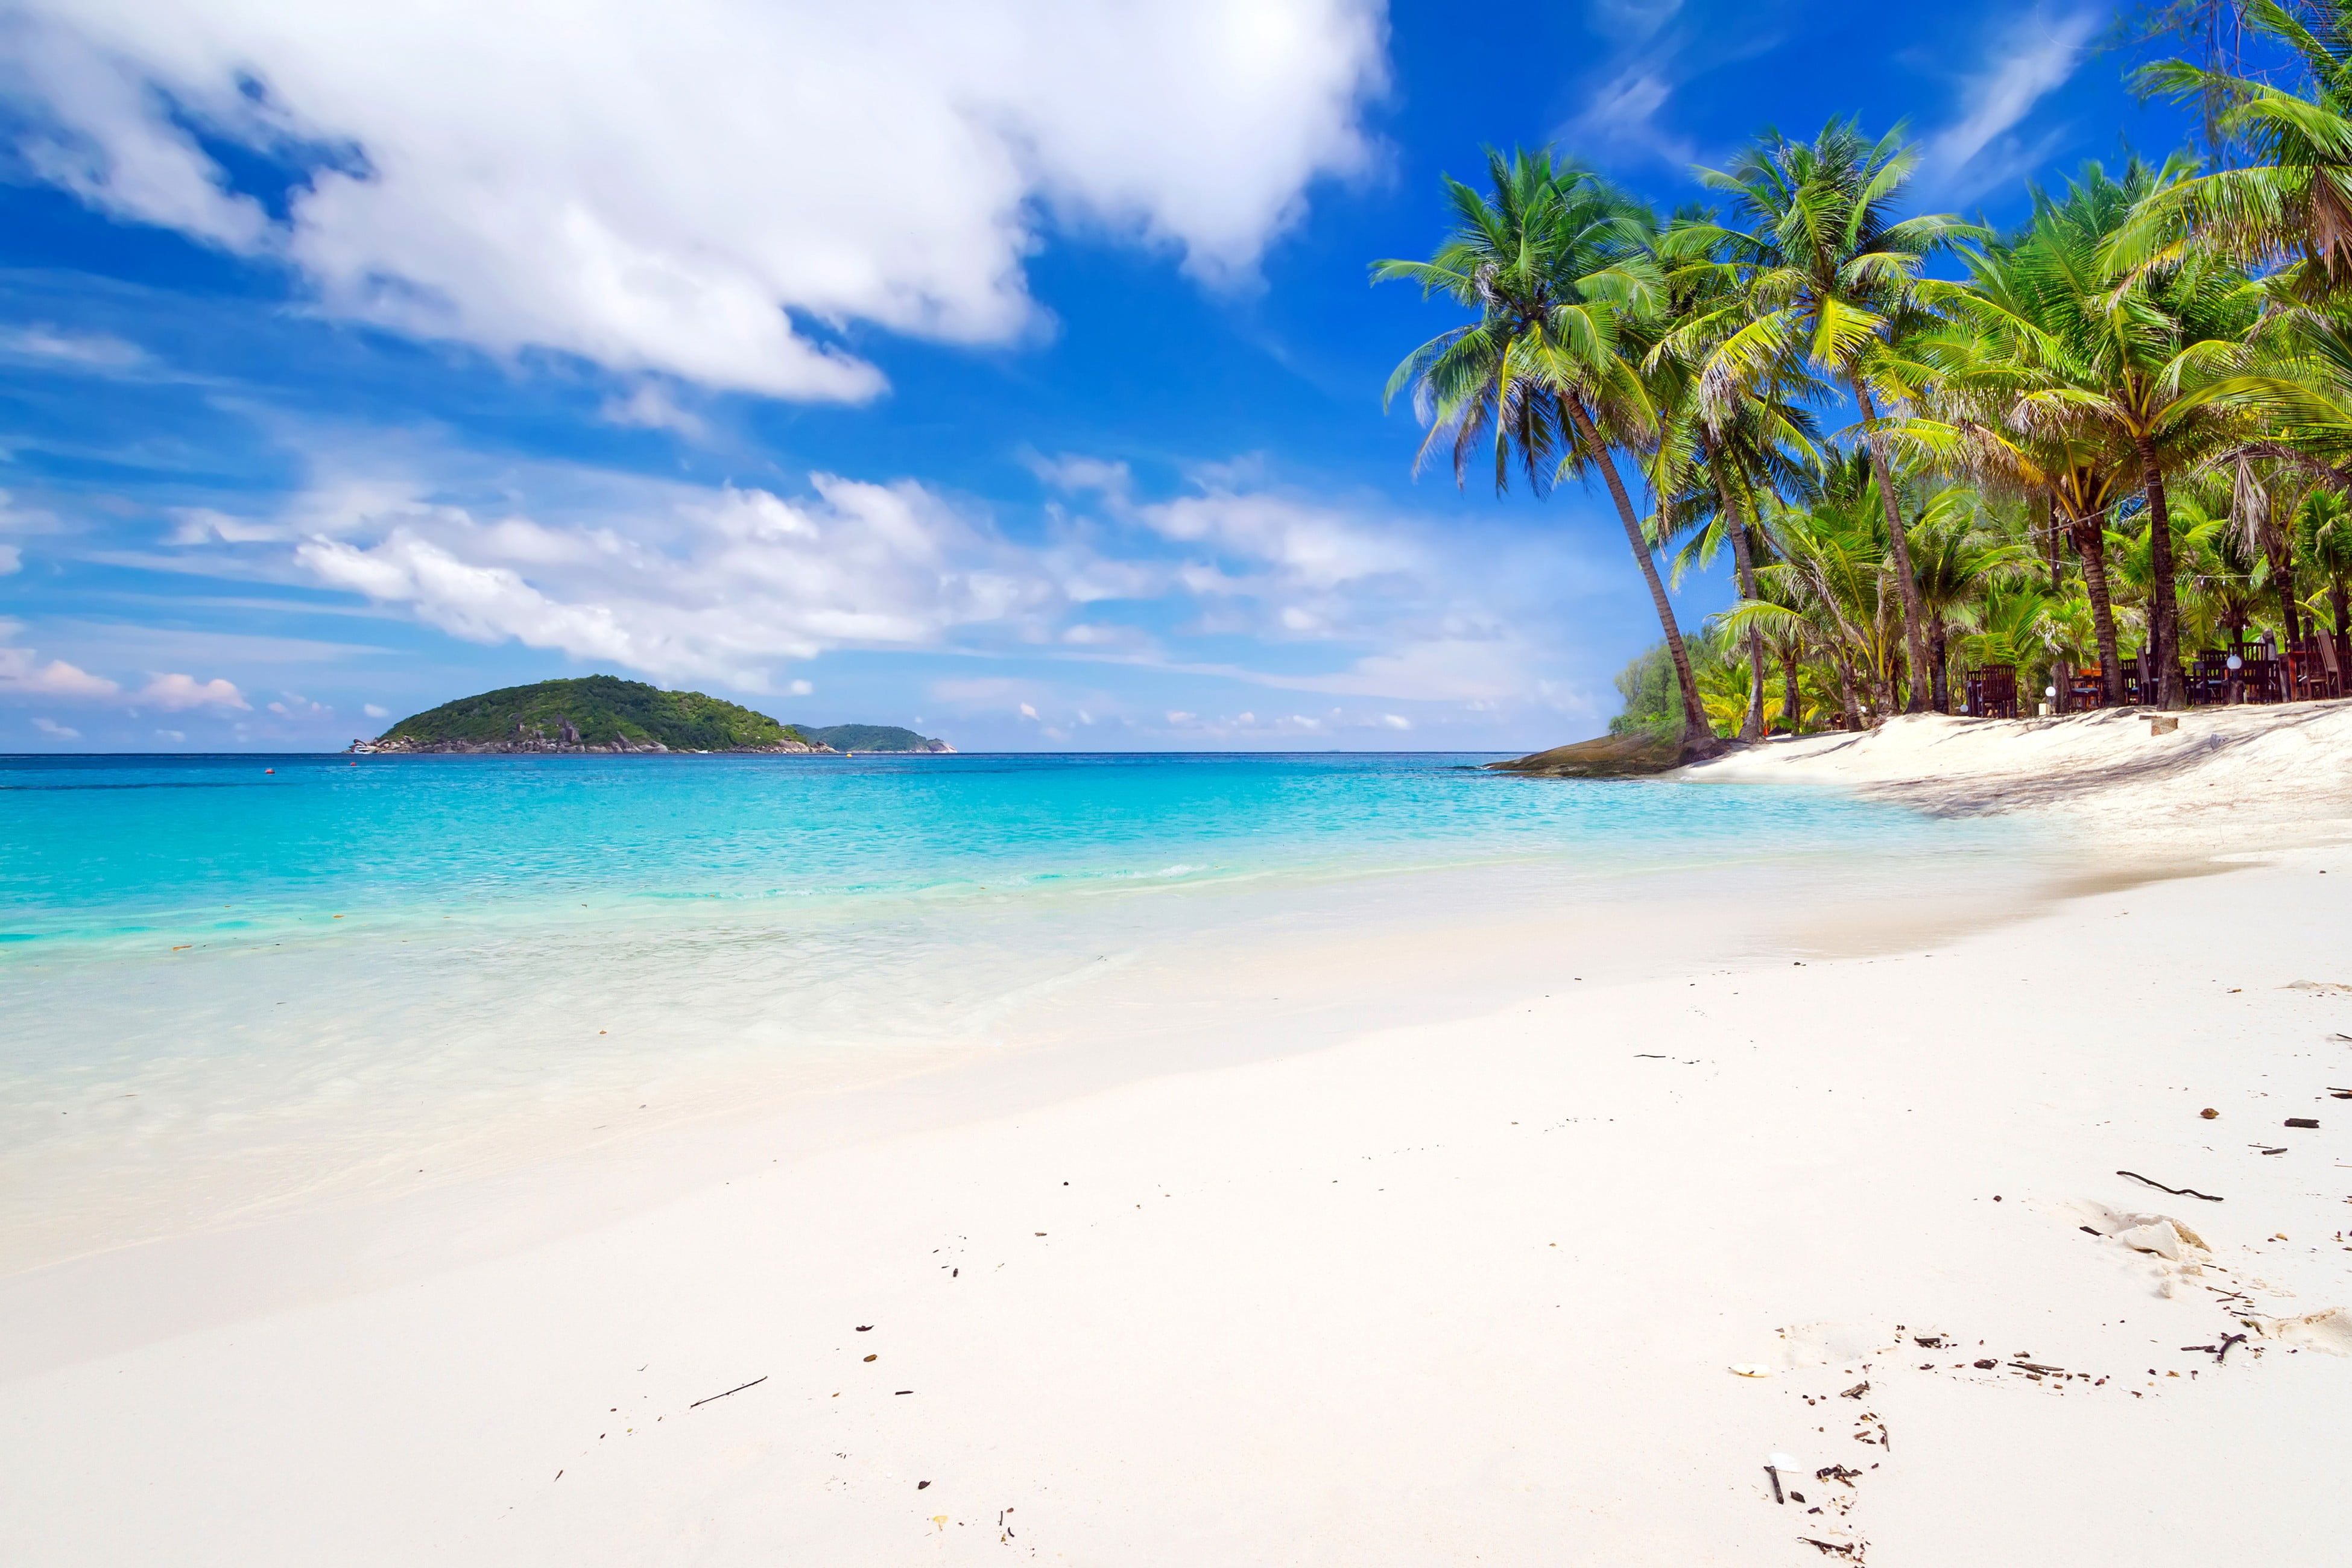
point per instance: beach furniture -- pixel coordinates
(1992, 691)
(2208, 679)
(2312, 670)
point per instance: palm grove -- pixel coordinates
(2122, 432)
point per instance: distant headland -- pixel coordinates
(605, 713)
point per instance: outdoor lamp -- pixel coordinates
(2048, 691)
(2237, 663)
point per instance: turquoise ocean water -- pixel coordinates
(119, 852)
(235, 980)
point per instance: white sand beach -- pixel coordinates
(1552, 1277)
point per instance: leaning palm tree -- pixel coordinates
(1555, 266)
(1828, 280)
(1719, 461)
(2291, 205)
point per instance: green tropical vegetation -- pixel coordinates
(2081, 451)
(595, 711)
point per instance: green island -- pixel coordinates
(605, 713)
(874, 738)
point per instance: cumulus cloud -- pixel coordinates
(711, 188)
(1236, 575)
(176, 693)
(1981, 149)
(374, 711)
(653, 406)
(687, 583)
(23, 674)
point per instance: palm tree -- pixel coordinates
(1956, 563)
(2151, 365)
(1555, 264)
(1732, 454)
(1833, 575)
(1829, 277)
(2022, 296)
(2292, 202)
(2322, 538)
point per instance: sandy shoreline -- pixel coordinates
(1464, 1290)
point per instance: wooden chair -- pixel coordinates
(2329, 663)
(2310, 674)
(2088, 689)
(2208, 679)
(2258, 680)
(1992, 691)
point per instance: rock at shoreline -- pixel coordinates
(1607, 757)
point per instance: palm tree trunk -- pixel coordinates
(2290, 613)
(1914, 612)
(2163, 606)
(2050, 534)
(2091, 544)
(1792, 701)
(1853, 700)
(1698, 735)
(1940, 652)
(1751, 728)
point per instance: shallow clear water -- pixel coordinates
(231, 987)
(109, 850)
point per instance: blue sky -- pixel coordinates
(1007, 370)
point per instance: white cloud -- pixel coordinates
(52, 728)
(92, 350)
(1396, 720)
(1633, 19)
(372, 712)
(655, 188)
(802, 689)
(653, 406)
(1312, 545)
(203, 525)
(1299, 589)
(12, 559)
(680, 582)
(15, 519)
(176, 693)
(1979, 151)
(1621, 118)
(22, 673)
(173, 735)
(1267, 533)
